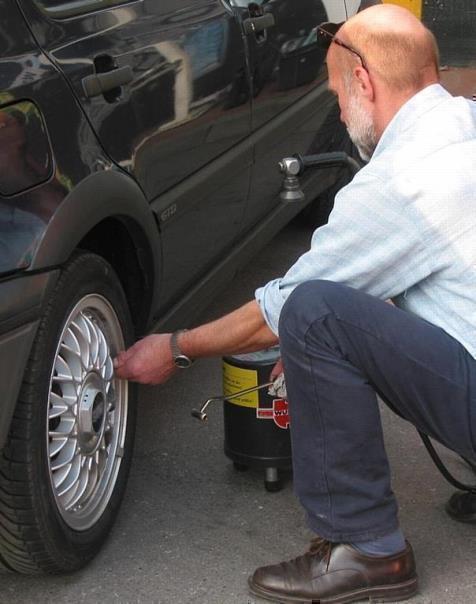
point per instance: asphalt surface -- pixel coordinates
(192, 528)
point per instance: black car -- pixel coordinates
(139, 142)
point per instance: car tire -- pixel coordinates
(64, 468)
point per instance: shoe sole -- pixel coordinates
(383, 593)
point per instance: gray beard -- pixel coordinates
(361, 129)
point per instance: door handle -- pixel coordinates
(99, 83)
(255, 25)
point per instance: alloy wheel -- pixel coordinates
(87, 413)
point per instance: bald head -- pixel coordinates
(397, 48)
(398, 58)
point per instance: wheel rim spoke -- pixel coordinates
(57, 409)
(70, 481)
(93, 342)
(60, 401)
(103, 351)
(63, 370)
(92, 478)
(65, 427)
(71, 341)
(65, 455)
(82, 485)
(80, 329)
(56, 445)
(60, 476)
(108, 369)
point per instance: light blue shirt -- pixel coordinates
(405, 227)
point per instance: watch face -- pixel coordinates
(182, 361)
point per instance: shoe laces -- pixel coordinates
(323, 547)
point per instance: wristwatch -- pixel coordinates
(182, 361)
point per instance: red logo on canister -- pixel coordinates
(279, 413)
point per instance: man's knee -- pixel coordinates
(308, 302)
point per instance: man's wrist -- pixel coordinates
(180, 359)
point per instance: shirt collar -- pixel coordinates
(410, 113)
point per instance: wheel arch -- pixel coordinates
(108, 214)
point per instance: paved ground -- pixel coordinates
(192, 528)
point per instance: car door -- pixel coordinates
(163, 83)
(293, 112)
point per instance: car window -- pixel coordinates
(59, 9)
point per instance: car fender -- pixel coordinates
(97, 197)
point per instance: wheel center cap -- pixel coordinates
(92, 413)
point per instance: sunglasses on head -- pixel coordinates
(326, 35)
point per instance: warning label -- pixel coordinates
(236, 379)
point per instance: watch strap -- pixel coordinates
(180, 359)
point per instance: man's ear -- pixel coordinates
(364, 83)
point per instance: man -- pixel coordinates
(402, 230)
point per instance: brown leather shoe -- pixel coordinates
(337, 573)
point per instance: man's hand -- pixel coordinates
(148, 361)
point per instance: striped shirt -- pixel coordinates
(405, 227)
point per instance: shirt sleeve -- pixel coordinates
(372, 242)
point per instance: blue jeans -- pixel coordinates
(340, 347)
